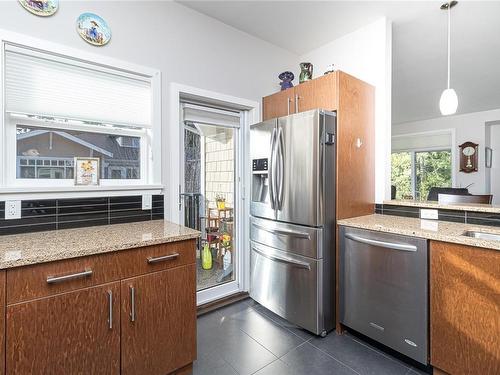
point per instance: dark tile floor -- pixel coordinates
(245, 338)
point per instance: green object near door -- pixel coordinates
(206, 257)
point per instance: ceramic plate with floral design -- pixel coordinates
(42, 8)
(93, 29)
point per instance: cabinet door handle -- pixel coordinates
(163, 258)
(297, 103)
(288, 105)
(73, 276)
(110, 303)
(132, 304)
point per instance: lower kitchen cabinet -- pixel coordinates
(465, 309)
(158, 321)
(64, 320)
(72, 333)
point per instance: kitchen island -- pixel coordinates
(114, 299)
(463, 284)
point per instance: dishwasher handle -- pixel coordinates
(385, 244)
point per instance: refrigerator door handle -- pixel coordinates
(271, 170)
(290, 233)
(283, 259)
(385, 244)
(281, 155)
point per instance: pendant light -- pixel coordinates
(448, 103)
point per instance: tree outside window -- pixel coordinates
(414, 173)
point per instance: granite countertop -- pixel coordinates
(474, 207)
(40, 247)
(431, 229)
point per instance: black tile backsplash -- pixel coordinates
(457, 216)
(452, 215)
(483, 218)
(395, 210)
(52, 214)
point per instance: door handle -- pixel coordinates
(283, 259)
(110, 311)
(281, 167)
(283, 231)
(385, 244)
(73, 276)
(271, 170)
(288, 105)
(132, 304)
(162, 258)
(297, 97)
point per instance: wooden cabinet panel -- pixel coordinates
(162, 336)
(355, 148)
(465, 309)
(2, 322)
(65, 334)
(278, 105)
(318, 93)
(30, 282)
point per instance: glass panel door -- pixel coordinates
(208, 201)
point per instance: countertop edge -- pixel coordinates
(430, 235)
(9, 264)
(436, 205)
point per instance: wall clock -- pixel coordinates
(468, 157)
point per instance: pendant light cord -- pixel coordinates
(449, 42)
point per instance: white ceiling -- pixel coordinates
(419, 43)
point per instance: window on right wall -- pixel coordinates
(415, 172)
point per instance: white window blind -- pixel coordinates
(49, 85)
(210, 116)
(421, 142)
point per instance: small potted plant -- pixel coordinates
(221, 202)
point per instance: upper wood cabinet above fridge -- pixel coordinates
(317, 93)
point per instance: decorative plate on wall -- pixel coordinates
(42, 8)
(93, 29)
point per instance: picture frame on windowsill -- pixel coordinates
(86, 171)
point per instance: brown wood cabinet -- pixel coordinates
(72, 333)
(279, 104)
(317, 93)
(465, 309)
(159, 346)
(71, 328)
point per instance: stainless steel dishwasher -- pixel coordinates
(384, 289)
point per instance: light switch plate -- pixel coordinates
(12, 210)
(147, 201)
(429, 214)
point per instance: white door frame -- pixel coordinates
(173, 173)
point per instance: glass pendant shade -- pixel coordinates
(448, 103)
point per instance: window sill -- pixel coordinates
(29, 193)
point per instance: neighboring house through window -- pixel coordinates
(60, 106)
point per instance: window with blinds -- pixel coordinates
(58, 108)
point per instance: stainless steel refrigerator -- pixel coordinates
(292, 234)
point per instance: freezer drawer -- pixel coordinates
(291, 238)
(288, 285)
(383, 289)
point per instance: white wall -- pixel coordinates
(468, 127)
(188, 47)
(366, 54)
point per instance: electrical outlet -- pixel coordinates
(147, 201)
(429, 214)
(12, 210)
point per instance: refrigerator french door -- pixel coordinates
(293, 218)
